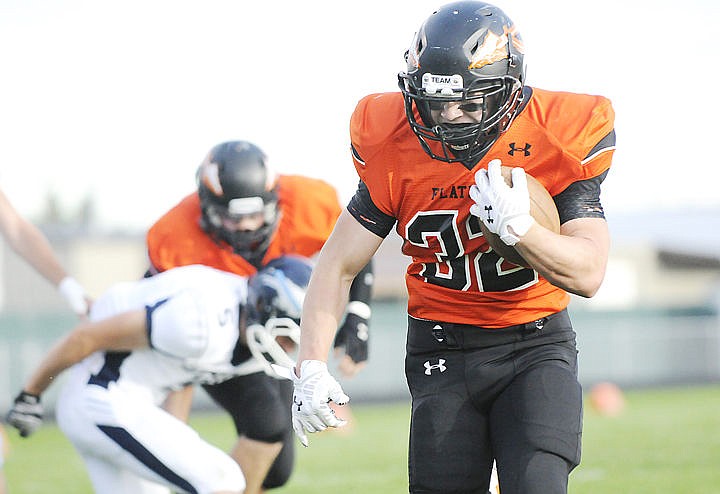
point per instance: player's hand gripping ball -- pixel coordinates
(507, 209)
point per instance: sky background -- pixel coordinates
(121, 100)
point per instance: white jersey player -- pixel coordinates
(144, 339)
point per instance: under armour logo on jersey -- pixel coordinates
(525, 150)
(431, 367)
(296, 402)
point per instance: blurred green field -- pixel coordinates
(665, 441)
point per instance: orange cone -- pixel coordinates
(607, 399)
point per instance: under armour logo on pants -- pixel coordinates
(430, 367)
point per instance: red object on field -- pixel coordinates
(607, 399)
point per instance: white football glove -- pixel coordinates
(74, 294)
(26, 414)
(504, 210)
(314, 389)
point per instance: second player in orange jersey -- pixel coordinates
(243, 216)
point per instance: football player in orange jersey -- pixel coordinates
(491, 355)
(243, 216)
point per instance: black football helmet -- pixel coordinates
(469, 52)
(275, 298)
(234, 180)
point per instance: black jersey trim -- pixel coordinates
(362, 208)
(606, 144)
(581, 199)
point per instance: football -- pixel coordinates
(542, 208)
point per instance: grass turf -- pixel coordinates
(665, 440)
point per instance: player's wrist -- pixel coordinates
(304, 367)
(308, 367)
(360, 309)
(28, 397)
(516, 228)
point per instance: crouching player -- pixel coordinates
(129, 356)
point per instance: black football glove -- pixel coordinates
(26, 415)
(353, 335)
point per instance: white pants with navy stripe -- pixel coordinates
(130, 445)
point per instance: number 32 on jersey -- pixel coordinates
(455, 266)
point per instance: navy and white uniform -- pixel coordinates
(109, 406)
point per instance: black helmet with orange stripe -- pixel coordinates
(238, 198)
(468, 53)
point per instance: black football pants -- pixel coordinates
(259, 407)
(508, 394)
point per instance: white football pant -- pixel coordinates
(132, 446)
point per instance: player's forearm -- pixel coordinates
(575, 260)
(324, 305)
(348, 250)
(361, 288)
(33, 246)
(64, 354)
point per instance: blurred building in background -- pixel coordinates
(656, 320)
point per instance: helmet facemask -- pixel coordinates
(251, 244)
(275, 297)
(464, 142)
(274, 343)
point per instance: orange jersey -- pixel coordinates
(454, 276)
(308, 207)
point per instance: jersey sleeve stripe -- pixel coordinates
(606, 144)
(148, 317)
(356, 156)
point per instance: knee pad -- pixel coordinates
(258, 404)
(271, 425)
(546, 403)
